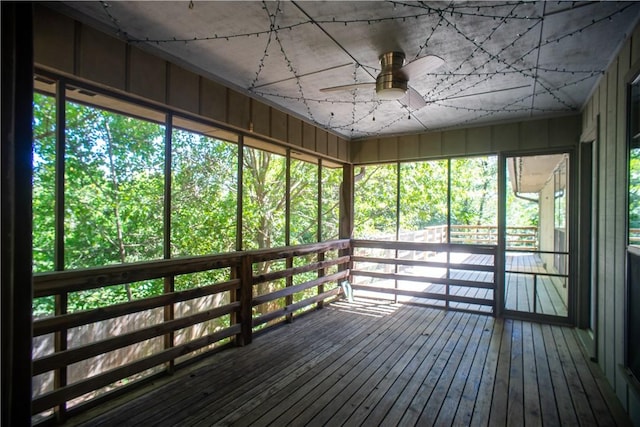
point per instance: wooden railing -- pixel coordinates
(459, 276)
(634, 236)
(152, 345)
(522, 238)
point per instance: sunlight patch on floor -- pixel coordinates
(366, 307)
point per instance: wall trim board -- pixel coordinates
(557, 133)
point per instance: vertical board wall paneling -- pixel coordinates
(635, 45)
(278, 125)
(534, 135)
(479, 140)
(260, 118)
(344, 150)
(388, 149)
(295, 131)
(332, 145)
(431, 144)
(454, 142)
(184, 89)
(321, 141)
(409, 147)
(620, 185)
(54, 40)
(504, 136)
(146, 75)
(308, 136)
(602, 220)
(96, 49)
(239, 109)
(609, 230)
(213, 101)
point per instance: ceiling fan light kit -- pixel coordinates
(391, 84)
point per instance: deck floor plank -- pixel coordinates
(405, 406)
(452, 401)
(515, 407)
(307, 387)
(500, 397)
(377, 387)
(428, 400)
(370, 364)
(532, 414)
(566, 411)
(354, 376)
(470, 395)
(256, 360)
(398, 395)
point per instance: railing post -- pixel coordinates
(246, 300)
(535, 293)
(169, 315)
(60, 344)
(288, 300)
(321, 273)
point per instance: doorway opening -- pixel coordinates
(536, 281)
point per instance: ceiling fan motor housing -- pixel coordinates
(391, 82)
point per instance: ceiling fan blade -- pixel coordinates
(349, 87)
(446, 98)
(412, 99)
(423, 65)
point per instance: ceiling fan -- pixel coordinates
(393, 81)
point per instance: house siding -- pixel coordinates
(604, 118)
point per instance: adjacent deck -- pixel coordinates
(378, 363)
(530, 285)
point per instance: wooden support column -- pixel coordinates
(320, 258)
(16, 167)
(346, 212)
(288, 300)
(169, 282)
(500, 261)
(61, 300)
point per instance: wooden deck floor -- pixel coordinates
(376, 363)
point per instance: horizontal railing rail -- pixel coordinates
(462, 277)
(82, 355)
(525, 237)
(157, 333)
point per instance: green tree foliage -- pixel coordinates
(203, 194)
(423, 194)
(331, 187)
(375, 201)
(634, 188)
(114, 180)
(43, 193)
(304, 202)
(474, 191)
(263, 201)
